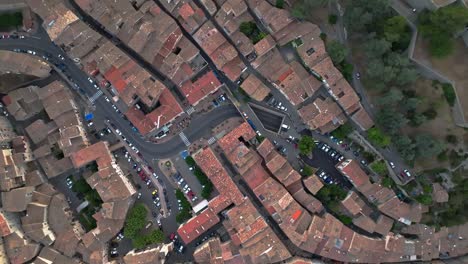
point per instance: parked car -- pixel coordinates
(391, 164)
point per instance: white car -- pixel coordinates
(139, 195)
(391, 164)
(155, 175)
(107, 99)
(118, 132)
(61, 57)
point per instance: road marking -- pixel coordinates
(211, 140)
(95, 96)
(184, 139)
(190, 110)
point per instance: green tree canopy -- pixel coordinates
(427, 146)
(365, 15)
(377, 137)
(337, 51)
(306, 145)
(135, 221)
(440, 26)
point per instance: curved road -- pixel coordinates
(198, 127)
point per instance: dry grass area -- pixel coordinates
(439, 127)
(454, 67)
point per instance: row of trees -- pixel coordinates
(185, 213)
(207, 185)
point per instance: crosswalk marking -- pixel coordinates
(184, 139)
(190, 110)
(95, 96)
(211, 140)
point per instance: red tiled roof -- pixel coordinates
(231, 140)
(168, 109)
(197, 225)
(186, 11)
(4, 227)
(215, 171)
(206, 84)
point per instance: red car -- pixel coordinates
(191, 194)
(172, 236)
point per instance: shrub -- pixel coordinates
(332, 19)
(430, 113)
(452, 139)
(279, 4)
(449, 93)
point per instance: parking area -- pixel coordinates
(325, 158)
(186, 173)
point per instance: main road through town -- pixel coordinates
(199, 127)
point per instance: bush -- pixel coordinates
(430, 113)
(323, 36)
(251, 30)
(279, 4)
(306, 145)
(81, 186)
(388, 182)
(449, 93)
(452, 139)
(332, 19)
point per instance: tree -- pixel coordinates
(190, 161)
(81, 186)
(376, 48)
(390, 121)
(391, 98)
(337, 51)
(364, 15)
(440, 26)
(410, 104)
(379, 167)
(427, 146)
(397, 32)
(343, 131)
(307, 170)
(377, 137)
(248, 28)
(405, 147)
(156, 236)
(301, 7)
(332, 19)
(417, 119)
(306, 145)
(135, 221)
(388, 182)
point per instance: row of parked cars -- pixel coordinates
(185, 187)
(330, 151)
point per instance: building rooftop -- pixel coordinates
(167, 110)
(322, 114)
(255, 88)
(197, 225)
(362, 118)
(215, 171)
(17, 199)
(351, 169)
(198, 89)
(21, 63)
(313, 184)
(273, 18)
(353, 203)
(297, 84)
(439, 194)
